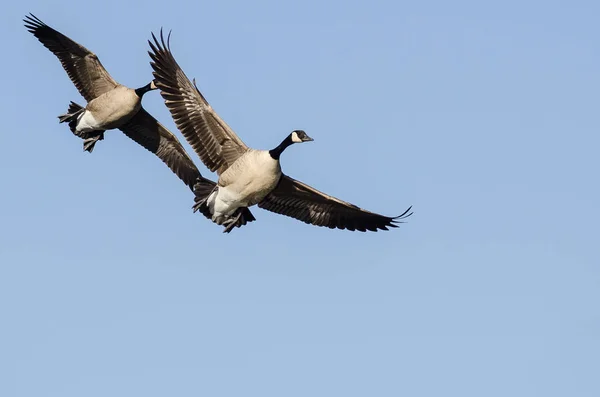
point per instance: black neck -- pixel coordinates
(275, 153)
(142, 90)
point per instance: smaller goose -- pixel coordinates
(247, 176)
(111, 110)
(110, 105)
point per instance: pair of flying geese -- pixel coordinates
(246, 176)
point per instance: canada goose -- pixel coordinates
(111, 105)
(247, 176)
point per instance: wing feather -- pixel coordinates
(82, 66)
(300, 201)
(152, 135)
(211, 138)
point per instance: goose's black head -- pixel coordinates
(297, 136)
(148, 87)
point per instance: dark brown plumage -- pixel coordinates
(298, 200)
(152, 135)
(82, 65)
(211, 138)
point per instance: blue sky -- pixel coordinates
(482, 116)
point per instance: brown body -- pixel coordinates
(115, 107)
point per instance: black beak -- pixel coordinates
(306, 138)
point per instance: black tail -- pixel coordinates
(89, 138)
(72, 115)
(203, 189)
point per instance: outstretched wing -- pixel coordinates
(148, 132)
(213, 140)
(298, 200)
(82, 65)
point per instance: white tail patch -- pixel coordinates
(86, 123)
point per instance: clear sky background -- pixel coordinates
(483, 116)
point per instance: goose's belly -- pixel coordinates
(110, 110)
(249, 191)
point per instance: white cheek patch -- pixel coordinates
(295, 138)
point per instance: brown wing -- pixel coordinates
(148, 132)
(212, 139)
(298, 200)
(82, 66)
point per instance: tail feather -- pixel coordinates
(72, 116)
(203, 189)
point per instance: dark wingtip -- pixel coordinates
(160, 45)
(405, 214)
(32, 22)
(393, 222)
(166, 45)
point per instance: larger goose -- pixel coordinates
(112, 105)
(247, 176)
